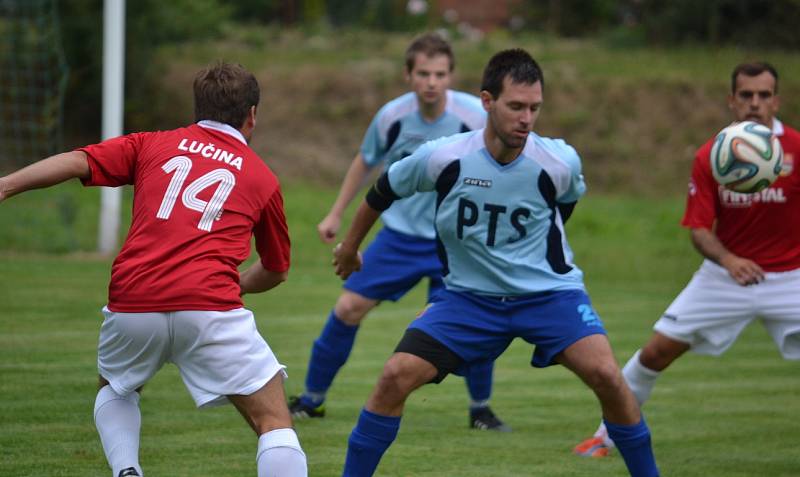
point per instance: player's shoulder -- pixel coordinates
(555, 150)
(789, 135)
(397, 108)
(467, 108)
(449, 147)
(703, 153)
(440, 153)
(461, 143)
(444, 150)
(160, 134)
(465, 100)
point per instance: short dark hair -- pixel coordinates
(225, 92)
(753, 69)
(431, 44)
(515, 63)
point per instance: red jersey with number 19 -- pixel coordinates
(763, 227)
(200, 194)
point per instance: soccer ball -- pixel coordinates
(746, 157)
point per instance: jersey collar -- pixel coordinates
(777, 127)
(223, 128)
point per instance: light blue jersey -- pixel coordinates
(397, 130)
(500, 225)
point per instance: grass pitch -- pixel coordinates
(734, 416)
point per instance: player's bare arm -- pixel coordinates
(353, 181)
(45, 173)
(257, 279)
(743, 270)
(346, 258)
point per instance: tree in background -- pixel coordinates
(763, 23)
(153, 23)
(755, 23)
(33, 79)
(149, 25)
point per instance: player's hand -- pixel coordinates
(328, 228)
(346, 261)
(744, 271)
(2, 189)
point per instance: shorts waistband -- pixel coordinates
(512, 298)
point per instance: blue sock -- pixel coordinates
(633, 443)
(370, 438)
(479, 381)
(328, 355)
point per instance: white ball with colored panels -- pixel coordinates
(746, 157)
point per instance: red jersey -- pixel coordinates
(200, 194)
(763, 227)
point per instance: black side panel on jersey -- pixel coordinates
(566, 211)
(444, 184)
(381, 195)
(392, 135)
(465, 128)
(555, 253)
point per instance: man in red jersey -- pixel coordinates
(200, 194)
(751, 245)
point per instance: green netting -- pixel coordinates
(33, 79)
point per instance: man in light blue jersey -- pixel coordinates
(404, 251)
(503, 194)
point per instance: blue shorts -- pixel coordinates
(479, 328)
(395, 262)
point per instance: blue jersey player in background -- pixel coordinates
(404, 251)
(503, 194)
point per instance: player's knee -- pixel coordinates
(398, 379)
(393, 377)
(605, 376)
(352, 308)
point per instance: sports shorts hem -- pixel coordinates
(366, 294)
(422, 345)
(117, 386)
(539, 362)
(215, 400)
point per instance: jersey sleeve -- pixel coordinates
(575, 184)
(373, 145)
(413, 173)
(272, 235)
(469, 110)
(113, 162)
(700, 199)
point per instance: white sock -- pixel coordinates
(639, 378)
(641, 381)
(478, 404)
(602, 433)
(118, 422)
(280, 455)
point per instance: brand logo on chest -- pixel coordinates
(471, 181)
(729, 198)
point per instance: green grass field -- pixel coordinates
(730, 416)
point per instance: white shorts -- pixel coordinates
(713, 309)
(218, 353)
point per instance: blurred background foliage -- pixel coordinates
(635, 85)
(634, 23)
